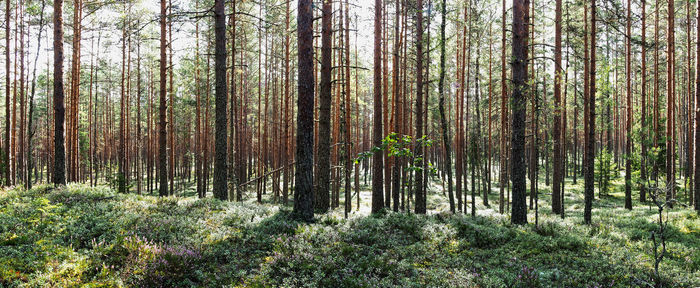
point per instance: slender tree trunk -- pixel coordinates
(358, 129)
(377, 157)
(504, 113)
(590, 139)
(59, 168)
(643, 168)
(92, 116)
(121, 178)
(670, 101)
(138, 152)
(556, 137)
(6, 155)
(696, 177)
(420, 196)
(22, 107)
(30, 133)
(628, 121)
(171, 105)
(689, 110)
(348, 144)
(657, 126)
(489, 149)
(324, 148)
(162, 149)
(201, 193)
(396, 168)
(441, 107)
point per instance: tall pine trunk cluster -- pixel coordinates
(215, 110)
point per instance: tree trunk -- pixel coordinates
(6, 155)
(590, 139)
(657, 126)
(396, 168)
(286, 147)
(696, 177)
(670, 92)
(324, 165)
(504, 113)
(303, 192)
(220, 170)
(201, 193)
(121, 178)
(59, 168)
(628, 121)
(520, 78)
(22, 107)
(377, 157)
(643, 168)
(30, 133)
(441, 107)
(162, 149)
(420, 196)
(348, 144)
(556, 137)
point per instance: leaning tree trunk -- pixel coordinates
(30, 134)
(441, 107)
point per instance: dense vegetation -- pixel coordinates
(78, 235)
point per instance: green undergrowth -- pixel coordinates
(80, 236)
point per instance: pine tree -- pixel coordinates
(521, 18)
(303, 191)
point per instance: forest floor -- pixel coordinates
(81, 236)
